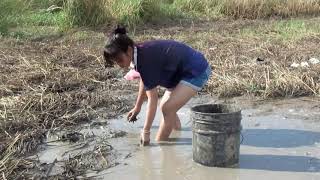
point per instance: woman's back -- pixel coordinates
(165, 62)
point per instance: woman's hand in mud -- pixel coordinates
(132, 115)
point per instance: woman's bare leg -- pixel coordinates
(177, 124)
(175, 100)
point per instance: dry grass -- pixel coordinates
(251, 9)
(265, 8)
(237, 71)
(46, 87)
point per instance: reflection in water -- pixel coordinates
(279, 163)
(146, 167)
(280, 138)
(165, 163)
(169, 163)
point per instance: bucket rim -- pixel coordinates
(237, 109)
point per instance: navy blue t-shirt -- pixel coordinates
(166, 62)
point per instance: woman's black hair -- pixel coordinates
(118, 43)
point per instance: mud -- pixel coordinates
(281, 140)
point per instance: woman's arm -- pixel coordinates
(137, 108)
(141, 96)
(151, 108)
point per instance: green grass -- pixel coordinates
(295, 29)
(128, 12)
(37, 24)
(44, 4)
(21, 19)
(86, 13)
(207, 9)
(36, 33)
(43, 18)
(8, 14)
(285, 30)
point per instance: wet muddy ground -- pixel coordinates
(281, 140)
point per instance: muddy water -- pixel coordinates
(281, 141)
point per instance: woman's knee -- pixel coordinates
(164, 99)
(161, 105)
(168, 109)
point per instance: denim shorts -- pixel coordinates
(197, 83)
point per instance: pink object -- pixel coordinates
(132, 75)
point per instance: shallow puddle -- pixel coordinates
(281, 140)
